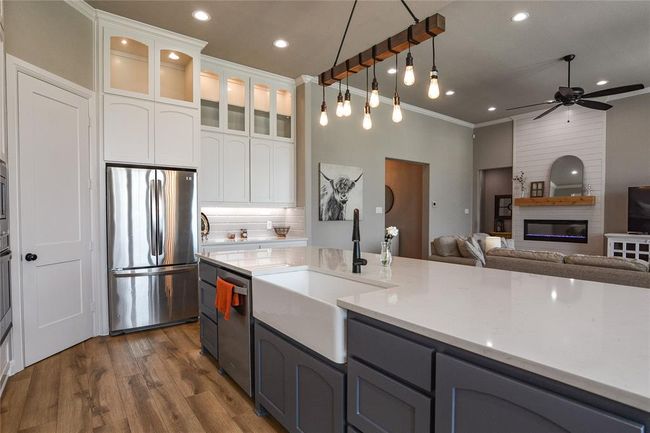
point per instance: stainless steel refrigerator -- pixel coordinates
(152, 241)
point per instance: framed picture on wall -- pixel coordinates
(503, 206)
(537, 189)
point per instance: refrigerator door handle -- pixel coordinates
(153, 271)
(152, 218)
(161, 216)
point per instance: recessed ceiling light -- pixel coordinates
(201, 15)
(173, 56)
(392, 71)
(492, 108)
(124, 41)
(520, 16)
(602, 83)
(280, 43)
(574, 172)
(449, 92)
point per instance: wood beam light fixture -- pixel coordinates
(414, 34)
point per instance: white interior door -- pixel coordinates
(54, 197)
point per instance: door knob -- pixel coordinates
(30, 257)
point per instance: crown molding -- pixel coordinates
(493, 122)
(83, 8)
(389, 101)
(220, 63)
(109, 18)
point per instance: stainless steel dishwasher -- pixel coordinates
(234, 335)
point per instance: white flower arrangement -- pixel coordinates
(391, 232)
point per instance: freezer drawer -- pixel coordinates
(153, 296)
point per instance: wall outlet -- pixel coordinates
(466, 211)
(434, 204)
(378, 210)
(269, 225)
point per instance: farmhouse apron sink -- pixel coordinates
(302, 305)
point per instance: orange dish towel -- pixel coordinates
(226, 298)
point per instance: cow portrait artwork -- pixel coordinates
(341, 191)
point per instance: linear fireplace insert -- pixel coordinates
(576, 231)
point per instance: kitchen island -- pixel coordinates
(566, 346)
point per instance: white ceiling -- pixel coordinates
(484, 56)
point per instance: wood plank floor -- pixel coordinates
(153, 381)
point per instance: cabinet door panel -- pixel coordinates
(471, 399)
(261, 171)
(128, 130)
(273, 379)
(177, 131)
(379, 404)
(319, 396)
(284, 173)
(207, 295)
(209, 336)
(128, 62)
(210, 172)
(235, 168)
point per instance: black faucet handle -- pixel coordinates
(360, 261)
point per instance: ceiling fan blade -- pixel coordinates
(594, 104)
(614, 91)
(547, 112)
(531, 105)
(565, 91)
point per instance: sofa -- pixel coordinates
(613, 270)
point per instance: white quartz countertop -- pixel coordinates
(593, 336)
(266, 240)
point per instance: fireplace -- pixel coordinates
(575, 231)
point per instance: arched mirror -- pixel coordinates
(567, 174)
(390, 198)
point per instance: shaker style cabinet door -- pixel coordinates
(284, 173)
(128, 130)
(210, 169)
(235, 169)
(262, 171)
(177, 141)
(470, 399)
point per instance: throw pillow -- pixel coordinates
(446, 246)
(462, 248)
(475, 250)
(607, 262)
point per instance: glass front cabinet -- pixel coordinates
(273, 109)
(128, 63)
(224, 95)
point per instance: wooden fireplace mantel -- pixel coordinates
(580, 200)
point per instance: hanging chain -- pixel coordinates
(347, 26)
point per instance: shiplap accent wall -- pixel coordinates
(225, 219)
(537, 143)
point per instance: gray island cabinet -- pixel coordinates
(400, 382)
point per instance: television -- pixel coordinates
(638, 209)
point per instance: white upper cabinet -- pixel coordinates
(210, 169)
(273, 172)
(235, 91)
(128, 130)
(177, 74)
(128, 62)
(261, 171)
(210, 85)
(177, 135)
(235, 169)
(284, 173)
(273, 114)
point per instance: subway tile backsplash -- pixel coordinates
(224, 220)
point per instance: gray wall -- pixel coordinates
(51, 35)
(445, 146)
(627, 156)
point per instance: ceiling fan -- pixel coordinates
(568, 95)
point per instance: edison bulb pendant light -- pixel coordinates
(347, 105)
(339, 105)
(323, 114)
(367, 121)
(434, 89)
(374, 95)
(409, 75)
(397, 110)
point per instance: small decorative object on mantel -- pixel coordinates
(386, 257)
(521, 180)
(537, 189)
(587, 190)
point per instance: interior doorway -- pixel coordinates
(407, 195)
(496, 202)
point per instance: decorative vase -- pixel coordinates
(522, 191)
(385, 258)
